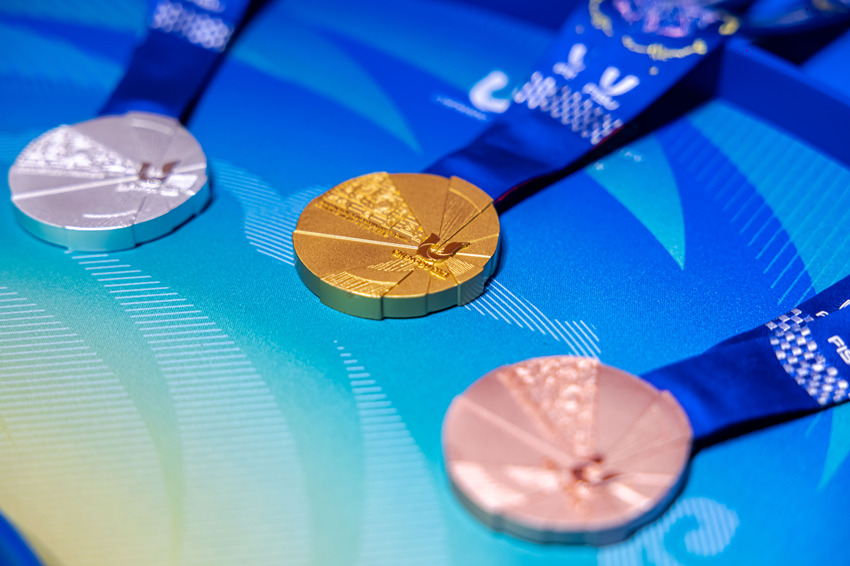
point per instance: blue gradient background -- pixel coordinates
(288, 433)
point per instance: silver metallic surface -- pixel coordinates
(109, 183)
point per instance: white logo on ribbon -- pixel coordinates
(481, 94)
(604, 93)
(574, 64)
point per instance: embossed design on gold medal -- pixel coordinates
(565, 449)
(397, 245)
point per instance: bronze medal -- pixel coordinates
(565, 449)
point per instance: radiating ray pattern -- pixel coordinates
(402, 521)
(74, 451)
(707, 528)
(239, 459)
(500, 303)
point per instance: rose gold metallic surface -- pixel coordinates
(565, 449)
(399, 245)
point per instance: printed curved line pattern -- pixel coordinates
(651, 194)
(816, 221)
(402, 521)
(741, 203)
(839, 444)
(276, 49)
(409, 35)
(240, 463)
(269, 219)
(500, 303)
(716, 526)
(74, 451)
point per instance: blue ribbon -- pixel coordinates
(796, 363)
(608, 63)
(184, 42)
(13, 549)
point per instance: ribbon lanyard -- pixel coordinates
(609, 62)
(185, 40)
(797, 363)
(122, 179)
(401, 246)
(565, 449)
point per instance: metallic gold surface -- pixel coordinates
(397, 245)
(564, 449)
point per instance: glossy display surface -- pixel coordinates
(221, 414)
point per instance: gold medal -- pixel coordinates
(397, 245)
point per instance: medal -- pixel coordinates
(134, 173)
(397, 245)
(565, 449)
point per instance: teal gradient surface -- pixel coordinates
(191, 402)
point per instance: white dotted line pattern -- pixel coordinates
(200, 29)
(569, 107)
(800, 357)
(402, 522)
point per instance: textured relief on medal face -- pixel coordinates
(373, 202)
(88, 185)
(440, 263)
(65, 151)
(400, 236)
(164, 181)
(355, 284)
(559, 394)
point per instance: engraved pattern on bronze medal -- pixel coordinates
(561, 397)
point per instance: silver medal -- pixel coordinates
(109, 183)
